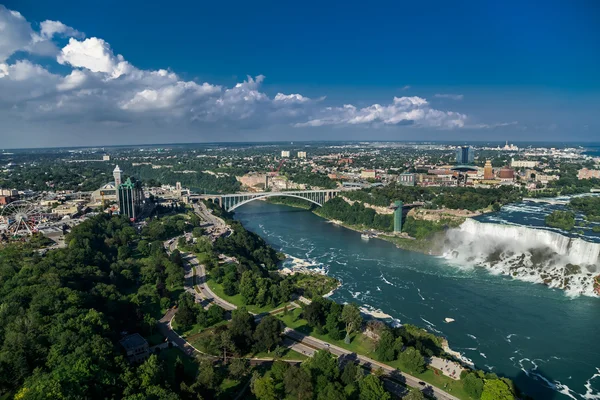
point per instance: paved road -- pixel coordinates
(314, 343)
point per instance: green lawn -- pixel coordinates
(229, 388)
(359, 343)
(170, 355)
(237, 300)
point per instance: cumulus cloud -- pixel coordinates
(290, 98)
(102, 87)
(15, 32)
(449, 96)
(93, 54)
(48, 29)
(403, 110)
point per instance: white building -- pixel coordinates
(301, 154)
(285, 153)
(523, 163)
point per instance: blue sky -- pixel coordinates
(343, 70)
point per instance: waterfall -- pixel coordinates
(534, 255)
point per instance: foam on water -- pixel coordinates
(527, 254)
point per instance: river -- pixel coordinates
(544, 340)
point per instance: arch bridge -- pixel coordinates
(232, 201)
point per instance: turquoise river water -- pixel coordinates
(544, 340)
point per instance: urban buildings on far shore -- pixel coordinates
(465, 155)
(488, 171)
(523, 163)
(131, 198)
(585, 173)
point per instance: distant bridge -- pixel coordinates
(232, 201)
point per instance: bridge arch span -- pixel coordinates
(273, 194)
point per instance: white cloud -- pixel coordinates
(449, 96)
(102, 87)
(72, 81)
(167, 97)
(48, 29)
(403, 110)
(290, 98)
(15, 33)
(93, 54)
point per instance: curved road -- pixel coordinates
(311, 343)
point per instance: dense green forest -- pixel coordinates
(355, 214)
(62, 314)
(313, 180)
(561, 219)
(450, 197)
(322, 378)
(588, 206)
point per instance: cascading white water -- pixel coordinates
(535, 255)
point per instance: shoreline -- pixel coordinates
(378, 314)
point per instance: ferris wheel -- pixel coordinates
(20, 218)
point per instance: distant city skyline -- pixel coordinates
(75, 74)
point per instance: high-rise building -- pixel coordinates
(465, 155)
(117, 175)
(285, 153)
(398, 216)
(406, 179)
(301, 154)
(131, 198)
(488, 171)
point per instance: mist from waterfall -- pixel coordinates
(529, 254)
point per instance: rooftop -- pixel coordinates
(133, 341)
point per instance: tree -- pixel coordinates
(414, 394)
(248, 288)
(332, 327)
(413, 360)
(385, 350)
(298, 384)
(322, 363)
(207, 376)
(226, 343)
(349, 373)
(268, 333)
(186, 312)
(150, 372)
(264, 388)
(242, 328)
(371, 388)
(332, 391)
(473, 385)
(352, 318)
(238, 368)
(495, 389)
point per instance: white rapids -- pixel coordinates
(529, 254)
